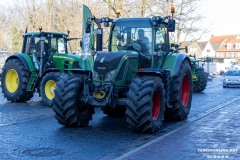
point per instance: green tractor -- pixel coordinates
(199, 76)
(147, 82)
(38, 67)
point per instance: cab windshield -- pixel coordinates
(51, 44)
(127, 33)
(125, 36)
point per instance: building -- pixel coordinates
(229, 48)
(195, 48)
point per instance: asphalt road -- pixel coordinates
(30, 131)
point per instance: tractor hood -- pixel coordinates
(70, 61)
(108, 64)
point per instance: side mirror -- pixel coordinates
(171, 25)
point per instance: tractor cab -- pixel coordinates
(41, 46)
(140, 35)
(52, 42)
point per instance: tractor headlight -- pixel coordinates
(110, 75)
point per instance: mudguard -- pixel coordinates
(173, 62)
(25, 59)
(149, 71)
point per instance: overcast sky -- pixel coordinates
(223, 16)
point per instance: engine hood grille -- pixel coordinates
(106, 62)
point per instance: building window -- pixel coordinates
(237, 46)
(193, 50)
(228, 55)
(229, 45)
(208, 50)
(234, 55)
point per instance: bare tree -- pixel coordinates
(60, 15)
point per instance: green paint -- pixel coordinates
(29, 61)
(170, 62)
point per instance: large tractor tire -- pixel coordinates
(47, 87)
(201, 84)
(14, 81)
(69, 110)
(181, 94)
(145, 104)
(118, 111)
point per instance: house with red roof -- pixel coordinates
(229, 48)
(223, 47)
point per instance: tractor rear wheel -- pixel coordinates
(14, 81)
(201, 84)
(181, 94)
(145, 105)
(47, 87)
(68, 108)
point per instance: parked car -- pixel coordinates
(232, 78)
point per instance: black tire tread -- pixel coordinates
(66, 102)
(21, 94)
(177, 112)
(139, 101)
(202, 82)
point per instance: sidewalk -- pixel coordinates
(215, 136)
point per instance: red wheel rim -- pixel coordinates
(185, 90)
(156, 105)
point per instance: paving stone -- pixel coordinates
(202, 139)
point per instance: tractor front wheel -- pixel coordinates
(68, 108)
(47, 87)
(201, 84)
(181, 94)
(14, 81)
(145, 105)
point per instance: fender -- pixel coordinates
(174, 61)
(25, 59)
(152, 72)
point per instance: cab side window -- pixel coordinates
(160, 39)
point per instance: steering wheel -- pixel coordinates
(52, 50)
